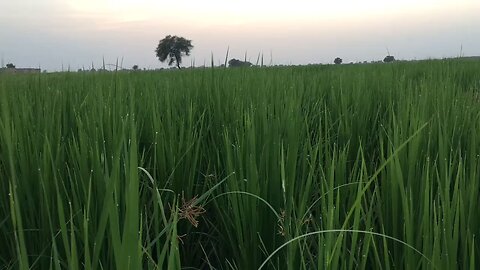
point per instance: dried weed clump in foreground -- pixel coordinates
(190, 211)
(322, 167)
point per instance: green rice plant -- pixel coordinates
(318, 167)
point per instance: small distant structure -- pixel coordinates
(11, 69)
(27, 70)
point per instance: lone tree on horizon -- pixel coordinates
(173, 48)
(337, 61)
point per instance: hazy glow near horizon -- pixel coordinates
(79, 32)
(254, 10)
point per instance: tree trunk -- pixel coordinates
(178, 62)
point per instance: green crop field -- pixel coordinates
(371, 166)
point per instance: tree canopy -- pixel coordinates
(173, 48)
(10, 65)
(337, 61)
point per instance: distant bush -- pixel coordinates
(337, 61)
(388, 59)
(237, 63)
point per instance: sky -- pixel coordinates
(73, 34)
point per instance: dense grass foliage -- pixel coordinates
(321, 167)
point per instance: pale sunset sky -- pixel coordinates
(75, 33)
